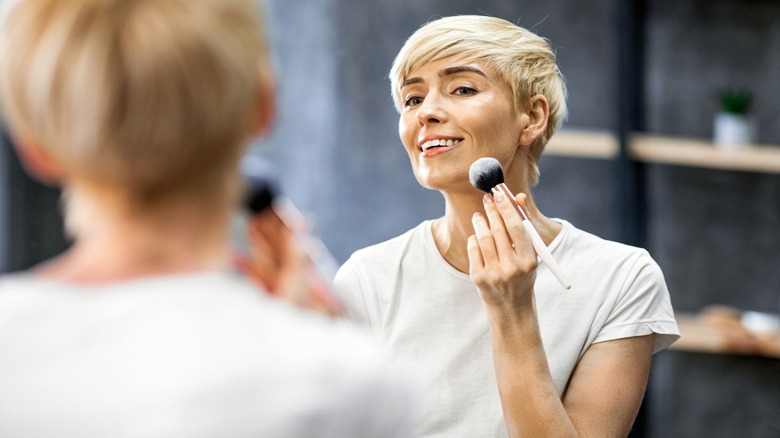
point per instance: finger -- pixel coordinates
(263, 245)
(293, 282)
(259, 240)
(323, 300)
(266, 255)
(476, 262)
(280, 242)
(497, 226)
(260, 270)
(268, 224)
(521, 198)
(484, 238)
(513, 223)
(268, 215)
(274, 251)
(247, 267)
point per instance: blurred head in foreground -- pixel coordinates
(134, 105)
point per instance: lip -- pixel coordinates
(433, 152)
(438, 150)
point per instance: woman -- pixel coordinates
(497, 344)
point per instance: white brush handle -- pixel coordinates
(544, 253)
(536, 240)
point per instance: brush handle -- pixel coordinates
(536, 240)
(544, 253)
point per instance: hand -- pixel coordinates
(502, 261)
(279, 264)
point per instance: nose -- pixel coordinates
(431, 110)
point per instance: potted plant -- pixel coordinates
(733, 126)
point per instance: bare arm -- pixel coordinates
(606, 388)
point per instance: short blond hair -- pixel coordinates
(153, 97)
(524, 60)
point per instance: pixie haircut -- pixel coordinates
(523, 59)
(152, 98)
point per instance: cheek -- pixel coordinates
(407, 133)
(501, 128)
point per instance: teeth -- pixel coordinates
(438, 142)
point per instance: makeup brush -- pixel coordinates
(486, 174)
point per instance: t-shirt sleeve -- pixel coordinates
(642, 307)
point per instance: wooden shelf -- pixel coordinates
(699, 153)
(680, 151)
(700, 334)
(584, 144)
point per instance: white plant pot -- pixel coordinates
(733, 131)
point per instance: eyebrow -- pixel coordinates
(446, 72)
(461, 69)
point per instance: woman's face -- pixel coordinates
(454, 112)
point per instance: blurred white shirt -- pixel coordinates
(204, 355)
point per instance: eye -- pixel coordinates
(464, 91)
(413, 101)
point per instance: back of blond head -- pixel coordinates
(524, 60)
(152, 97)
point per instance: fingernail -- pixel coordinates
(487, 199)
(498, 196)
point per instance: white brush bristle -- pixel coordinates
(486, 173)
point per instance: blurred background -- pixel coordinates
(635, 162)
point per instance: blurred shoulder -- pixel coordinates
(393, 248)
(588, 245)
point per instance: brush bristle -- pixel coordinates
(486, 173)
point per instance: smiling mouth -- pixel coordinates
(437, 143)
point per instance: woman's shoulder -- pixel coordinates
(223, 308)
(587, 243)
(394, 247)
(16, 286)
(278, 353)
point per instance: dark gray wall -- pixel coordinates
(716, 235)
(698, 48)
(698, 395)
(30, 217)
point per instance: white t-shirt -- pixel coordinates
(434, 320)
(202, 355)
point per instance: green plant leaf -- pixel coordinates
(735, 101)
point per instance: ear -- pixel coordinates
(535, 119)
(265, 106)
(38, 162)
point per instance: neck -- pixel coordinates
(178, 238)
(452, 231)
